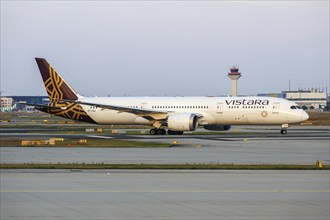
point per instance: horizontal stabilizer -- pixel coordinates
(37, 106)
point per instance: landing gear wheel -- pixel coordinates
(161, 131)
(153, 131)
(284, 131)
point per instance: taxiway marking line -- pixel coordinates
(102, 137)
(164, 191)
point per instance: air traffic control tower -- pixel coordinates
(234, 75)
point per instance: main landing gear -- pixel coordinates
(156, 131)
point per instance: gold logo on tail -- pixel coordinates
(53, 85)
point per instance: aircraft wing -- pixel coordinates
(146, 113)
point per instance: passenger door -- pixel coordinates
(144, 105)
(220, 107)
(276, 107)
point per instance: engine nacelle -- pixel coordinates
(217, 127)
(182, 122)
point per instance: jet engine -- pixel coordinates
(182, 122)
(217, 127)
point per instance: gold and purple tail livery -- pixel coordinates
(56, 87)
(59, 91)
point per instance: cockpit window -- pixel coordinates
(295, 107)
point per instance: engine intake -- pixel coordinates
(182, 122)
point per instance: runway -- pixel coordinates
(109, 194)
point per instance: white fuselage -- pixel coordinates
(213, 110)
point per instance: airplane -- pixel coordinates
(177, 114)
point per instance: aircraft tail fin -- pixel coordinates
(56, 87)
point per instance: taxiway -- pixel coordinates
(108, 194)
(254, 145)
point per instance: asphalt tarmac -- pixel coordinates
(108, 194)
(250, 145)
(171, 194)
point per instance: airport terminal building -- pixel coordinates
(308, 99)
(6, 104)
(10, 103)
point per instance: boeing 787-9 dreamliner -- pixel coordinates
(177, 114)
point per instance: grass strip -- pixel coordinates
(165, 166)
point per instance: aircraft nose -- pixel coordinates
(304, 116)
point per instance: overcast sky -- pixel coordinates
(146, 48)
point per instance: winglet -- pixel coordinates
(56, 87)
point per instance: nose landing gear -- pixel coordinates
(284, 128)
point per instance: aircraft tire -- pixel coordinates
(153, 131)
(160, 131)
(283, 131)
